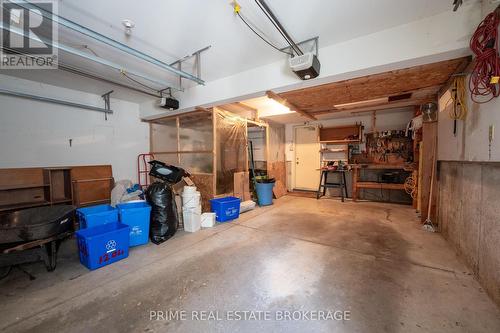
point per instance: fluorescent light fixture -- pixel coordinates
(362, 103)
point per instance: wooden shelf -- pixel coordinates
(21, 186)
(384, 186)
(24, 205)
(341, 141)
(64, 200)
(333, 150)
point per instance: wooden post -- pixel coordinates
(177, 125)
(268, 153)
(355, 175)
(246, 146)
(214, 153)
(429, 138)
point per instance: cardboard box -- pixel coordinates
(242, 186)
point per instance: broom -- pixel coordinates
(428, 225)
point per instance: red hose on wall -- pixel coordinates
(483, 82)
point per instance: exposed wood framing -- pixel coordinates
(323, 98)
(199, 108)
(289, 104)
(240, 107)
(215, 152)
(177, 124)
(461, 70)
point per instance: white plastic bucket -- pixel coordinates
(187, 190)
(192, 220)
(191, 200)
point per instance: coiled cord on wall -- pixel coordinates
(483, 82)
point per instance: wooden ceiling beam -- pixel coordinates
(289, 105)
(239, 107)
(246, 107)
(200, 108)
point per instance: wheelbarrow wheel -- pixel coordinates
(51, 257)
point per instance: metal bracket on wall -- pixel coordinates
(315, 46)
(197, 63)
(107, 103)
(53, 100)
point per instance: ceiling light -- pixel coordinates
(128, 24)
(361, 103)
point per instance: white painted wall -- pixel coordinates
(471, 142)
(472, 139)
(35, 133)
(386, 120)
(435, 38)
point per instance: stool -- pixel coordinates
(324, 184)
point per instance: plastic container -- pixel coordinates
(207, 220)
(225, 209)
(246, 206)
(191, 200)
(192, 219)
(103, 245)
(93, 216)
(137, 216)
(265, 193)
(188, 190)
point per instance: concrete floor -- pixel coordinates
(300, 254)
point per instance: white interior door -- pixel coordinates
(307, 159)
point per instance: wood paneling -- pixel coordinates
(324, 97)
(429, 146)
(92, 184)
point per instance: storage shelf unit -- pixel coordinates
(35, 187)
(341, 134)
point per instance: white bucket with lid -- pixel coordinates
(191, 200)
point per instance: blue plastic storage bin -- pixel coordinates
(93, 216)
(103, 245)
(225, 209)
(265, 193)
(136, 216)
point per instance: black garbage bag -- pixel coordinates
(164, 219)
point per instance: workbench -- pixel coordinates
(356, 184)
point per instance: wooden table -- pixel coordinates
(356, 184)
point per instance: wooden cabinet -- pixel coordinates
(59, 180)
(34, 187)
(341, 134)
(23, 188)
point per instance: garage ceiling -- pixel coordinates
(171, 29)
(400, 88)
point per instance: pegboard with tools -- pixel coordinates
(387, 147)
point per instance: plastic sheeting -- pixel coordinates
(231, 151)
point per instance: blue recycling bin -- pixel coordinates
(136, 215)
(265, 193)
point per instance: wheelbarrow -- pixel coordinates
(34, 234)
